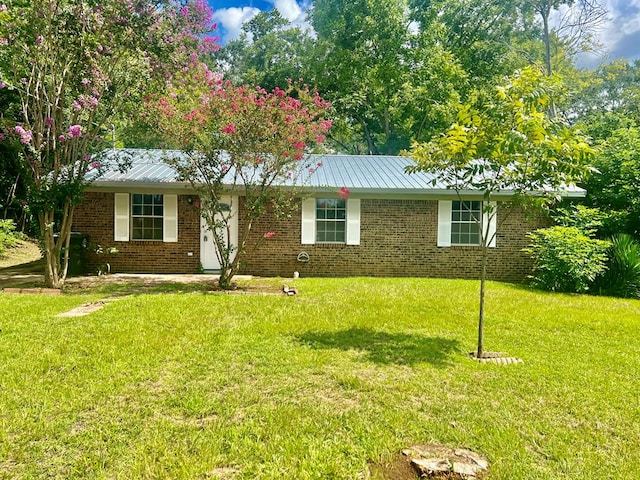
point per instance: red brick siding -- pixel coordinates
(397, 238)
(94, 217)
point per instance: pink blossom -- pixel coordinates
(269, 234)
(299, 145)
(4, 41)
(76, 105)
(62, 138)
(94, 165)
(23, 203)
(86, 157)
(312, 170)
(3, 8)
(25, 135)
(85, 81)
(298, 156)
(343, 193)
(320, 164)
(75, 131)
(229, 128)
(2, 85)
(326, 124)
(1, 136)
(320, 138)
(48, 121)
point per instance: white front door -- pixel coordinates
(208, 256)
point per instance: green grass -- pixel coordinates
(196, 385)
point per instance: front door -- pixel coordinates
(208, 256)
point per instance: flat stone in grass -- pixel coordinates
(439, 461)
(86, 308)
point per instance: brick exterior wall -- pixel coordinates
(94, 217)
(397, 238)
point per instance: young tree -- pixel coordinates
(76, 65)
(240, 142)
(504, 141)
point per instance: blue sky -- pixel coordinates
(231, 14)
(620, 34)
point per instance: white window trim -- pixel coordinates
(352, 223)
(444, 225)
(123, 216)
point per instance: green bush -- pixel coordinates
(566, 259)
(622, 277)
(8, 236)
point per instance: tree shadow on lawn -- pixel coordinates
(386, 348)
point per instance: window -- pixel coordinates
(331, 220)
(147, 214)
(465, 222)
(459, 223)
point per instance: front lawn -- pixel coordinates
(198, 385)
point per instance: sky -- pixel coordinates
(620, 34)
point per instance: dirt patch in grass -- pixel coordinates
(398, 468)
(24, 253)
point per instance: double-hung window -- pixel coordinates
(331, 220)
(466, 218)
(463, 222)
(147, 214)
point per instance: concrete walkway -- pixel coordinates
(31, 275)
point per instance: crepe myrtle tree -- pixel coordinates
(241, 141)
(504, 140)
(77, 64)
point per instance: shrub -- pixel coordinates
(566, 259)
(622, 277)
(8, 236)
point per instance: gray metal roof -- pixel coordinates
(370, 174)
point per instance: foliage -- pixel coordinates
(268, 52)
(566, 259)
(223, 385)
(8, 236)
(587, 220)
(240, 141)
(615, 187)
(622, 277)
(504, 141)
(488, 38)
(388, 83)
(75, 65)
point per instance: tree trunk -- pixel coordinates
(483, 281)
(545, 11)
(57, 264)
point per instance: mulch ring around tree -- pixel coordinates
(431, 461)
(499, 358)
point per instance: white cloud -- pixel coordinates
(231, 20)
(289, 9)
(618, 34)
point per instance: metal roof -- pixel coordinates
(370, 174)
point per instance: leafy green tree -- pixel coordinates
(269, 51)
(385, 81)
(489, 38)
(615, 187)
(503, 140)
(75, 65)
